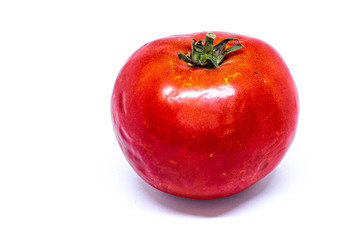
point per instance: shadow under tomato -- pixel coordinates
(212, 207)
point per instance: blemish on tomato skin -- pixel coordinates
(263, 165)
(122, 103)
(125, 136)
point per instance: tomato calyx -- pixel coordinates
(207, 55)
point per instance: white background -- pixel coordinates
(62, 173)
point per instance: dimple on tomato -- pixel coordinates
(204, 118)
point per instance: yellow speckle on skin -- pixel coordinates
(146, 124)
(211, 155)
(173, 161)
(171, 63)
(279, 133)
(232, 76)
(187, 84)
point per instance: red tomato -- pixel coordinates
(204, 132)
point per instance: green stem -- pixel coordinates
(208, 47)
(208, 55)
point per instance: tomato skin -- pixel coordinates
(204, 133)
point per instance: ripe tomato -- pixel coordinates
(195, 123)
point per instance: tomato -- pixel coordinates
(204, 126)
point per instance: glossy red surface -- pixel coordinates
(204, 133)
